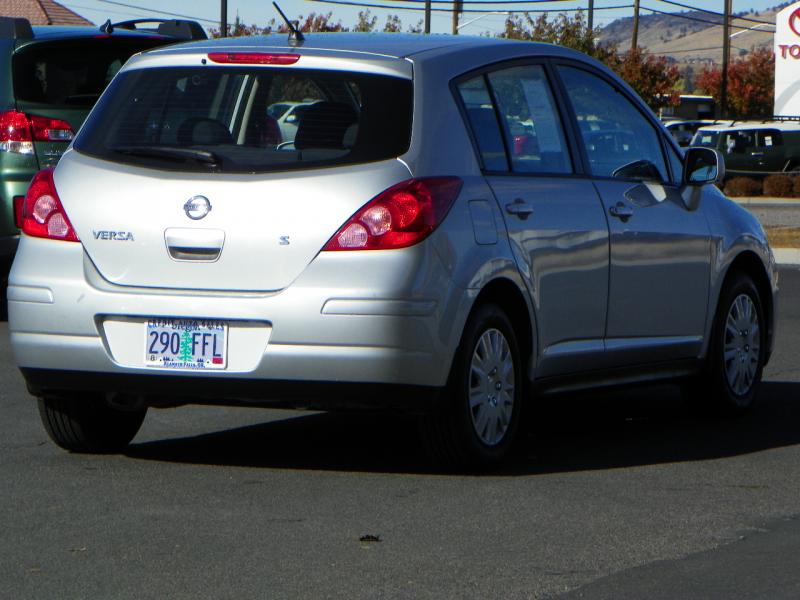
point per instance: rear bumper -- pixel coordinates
(170, 390)
(329, 327)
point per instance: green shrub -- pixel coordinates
(738, 187)
(778, 186)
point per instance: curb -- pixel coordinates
(787, 256)
(785, 202)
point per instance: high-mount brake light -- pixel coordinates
(399, 217)
(253, 58)
(19, 130)
(43, 214)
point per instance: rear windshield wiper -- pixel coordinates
(205, 157)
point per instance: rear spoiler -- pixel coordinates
(177, 28)
(15, 28)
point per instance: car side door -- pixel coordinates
(660, 246)
(552, 212)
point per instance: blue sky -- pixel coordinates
(261, 11)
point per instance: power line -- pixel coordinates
(159, 12)
(697, 19)
(474, 10)
(712, 12)
(101, 11)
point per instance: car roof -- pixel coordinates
(394, 45)
(52, 32)
(751, 125)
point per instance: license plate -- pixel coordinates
(186, 344)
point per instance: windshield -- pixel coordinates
(241, 120)
(706, 138)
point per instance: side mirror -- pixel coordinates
(702, 166)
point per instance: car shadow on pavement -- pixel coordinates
(597, 432)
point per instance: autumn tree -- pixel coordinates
(366, 22)
(653, 78)
(751, 84)
(237, 29)
(393, 24)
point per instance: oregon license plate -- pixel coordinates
(186, 344)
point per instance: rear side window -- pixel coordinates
(242, 120)
(71, 73)
(530, 120)
(526, 112)
(482, 119)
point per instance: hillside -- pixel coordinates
(686, 41)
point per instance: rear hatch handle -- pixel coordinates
(187, 244)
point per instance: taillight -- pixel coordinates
(43, 214)
(19, 130)
(401, 216)
(253, 58)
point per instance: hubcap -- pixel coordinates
(742, 345)
(491, 387)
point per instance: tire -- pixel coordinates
(89, 424)
(487, 367)
(736, 354)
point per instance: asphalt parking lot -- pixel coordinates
(627, 495)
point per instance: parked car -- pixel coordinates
(754, 148)
(683, 131)
(405, 253)
(50, 77)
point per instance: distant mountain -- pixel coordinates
(619, 31)
(691, 37)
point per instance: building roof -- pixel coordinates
(41, 12)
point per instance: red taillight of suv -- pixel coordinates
(19, 130)
(399, 217)
(43, 214)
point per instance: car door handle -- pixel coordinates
(621, 211)
(520, 208)
(756, 154)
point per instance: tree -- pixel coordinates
(366, 22)
(393, 24)
(237, 29)
(751, 84)
(653, 78)
(314, 22)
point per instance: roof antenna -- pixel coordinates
(107, 27)
(296, 37)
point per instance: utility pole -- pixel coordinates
(591, 16)
(726, 58)
(635, 36)
(457, 7)
(427, 16)
(223, 18)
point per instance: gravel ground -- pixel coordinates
(776, 216)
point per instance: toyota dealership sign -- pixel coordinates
(787, 62)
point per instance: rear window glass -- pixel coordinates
(71, 73)
(242, 120)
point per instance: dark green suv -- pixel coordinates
(50, 77)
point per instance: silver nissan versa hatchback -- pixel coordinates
(455, 227)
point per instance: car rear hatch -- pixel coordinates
(57, 81)
(181, 178)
